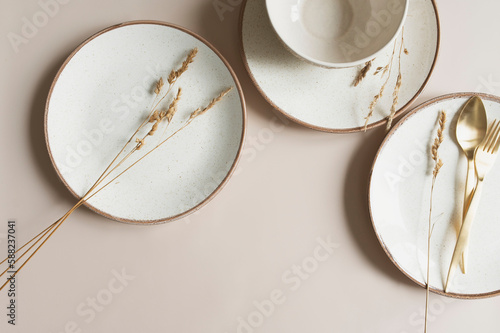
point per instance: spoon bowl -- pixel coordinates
(471, 126)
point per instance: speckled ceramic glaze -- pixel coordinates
(325, 99)
(337, 33)
(399, 202)
(102, 93)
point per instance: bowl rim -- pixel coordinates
(328, 64)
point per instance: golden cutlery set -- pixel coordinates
(480, 144)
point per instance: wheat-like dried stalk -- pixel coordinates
(395, 99)
(175, 74)
(395, 95)
(377, 97)
(437, 143)
(155, 118)
(187, 123)
(172, 109)
(438, 163)
(362, 73)
(200, 111)
(397, 87)
(159, 86)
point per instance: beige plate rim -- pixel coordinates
(382, 145)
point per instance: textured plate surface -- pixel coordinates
(400, 197)
(325, 99)
(102, 93)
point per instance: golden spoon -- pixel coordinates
(471, 130)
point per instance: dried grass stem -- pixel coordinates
(155, 118)
(438, 163)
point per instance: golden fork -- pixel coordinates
(484, 158)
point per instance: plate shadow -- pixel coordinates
(225, 36)
(357, 207)
(37, 132)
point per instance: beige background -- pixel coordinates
(204, 273)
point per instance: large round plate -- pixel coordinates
(399, 197)
(102, 93)
(325, 99)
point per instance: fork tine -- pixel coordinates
(489, 134)
(496, 144)
(493, 137)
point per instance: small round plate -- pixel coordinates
(325, 99)
(399, 200)
(103, 92)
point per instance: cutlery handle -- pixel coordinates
(463, 236)
(470, 183)
(471, 212)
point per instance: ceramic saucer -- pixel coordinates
(325, 99)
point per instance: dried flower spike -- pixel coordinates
(169, 114)
(175, 74)
(215, 101)
(195, 113)
(374, 103)
(159, 86)
(376, 98)
(362, 73)
(437, 143)
(154, 117)
(153, 129)
(397, 87)
(395, 99)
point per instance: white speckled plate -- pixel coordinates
(325, 99)
(103, 92)
(399, 197)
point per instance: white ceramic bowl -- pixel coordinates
(337, 33)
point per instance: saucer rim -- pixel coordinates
(378, 123)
